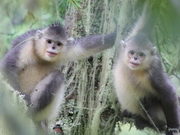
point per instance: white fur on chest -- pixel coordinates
(128, 93)
(32, 70)
(31, 75)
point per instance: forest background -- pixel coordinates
(90, 106)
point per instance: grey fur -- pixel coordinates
(23, 38)
(57, 29)
(47, 94)
(103, 41)
(90, 45)
(157, 102)
(164, 100)
(49, 90)
(167, 95)
(9, 67)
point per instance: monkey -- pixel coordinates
(31, 66)
(141, 85)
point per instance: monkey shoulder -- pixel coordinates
(23, 38)
(160, 80)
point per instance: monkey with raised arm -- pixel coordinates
(31, 66)
(142, 87)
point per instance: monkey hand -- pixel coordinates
(172, 131)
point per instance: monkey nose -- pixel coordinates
(53, 47)
(135, 58)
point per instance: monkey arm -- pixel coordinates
(47, 96)
(10, 70)
(90, 45)
(167, 96)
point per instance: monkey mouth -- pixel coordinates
(51, 54)
(132, 64)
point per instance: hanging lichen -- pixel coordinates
(95, 110)
(14, 119)
(91, 107)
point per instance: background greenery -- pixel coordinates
(90, 106)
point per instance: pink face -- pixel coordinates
(50, 49)
(135, 59)
(53, 47)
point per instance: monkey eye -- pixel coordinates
(49, 41)
(131, 52)
(59, 44)
(142, 54)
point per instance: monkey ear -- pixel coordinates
(154, 50)
(123, 43)
(39, 33)
(70, 39)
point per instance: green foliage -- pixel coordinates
(167, 36)
(91, 107)
(127, 129)
(14, 119)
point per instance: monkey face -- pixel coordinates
(50, 49)
(50, 43)
(137, 58)
(53, 47)
(138, 54)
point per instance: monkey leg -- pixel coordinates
(126, 113)
(173, 131)
(154, 123)
(141, 123)
(46, 99)
(155, 119)
(154, 113)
